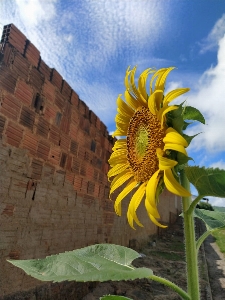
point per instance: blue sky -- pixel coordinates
(92, 42)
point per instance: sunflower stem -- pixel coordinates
(190, 246)
(173, 286)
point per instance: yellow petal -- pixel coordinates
(118, 169)
(156, 222)
(119, 180)
(175, 147)
(119, 152)
(131, 100)
(164, 162)
(142, 82)
(163, 111)
(160, 82)
(137, 95)
(150, 201)
(172, 136)
(122, 159)
(119, 132)
(173, 186)
(122, 119)
(122, 143)
(135, 202)
(156, 74)
(123, 107)
(174, 94)
(130, 186)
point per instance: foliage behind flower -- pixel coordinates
(152, 147)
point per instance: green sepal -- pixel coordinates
(175, 118)
(207, 181)
(114, 297)
(101, 262)
(186, 124)
(192, 113)
(182, 158)
(189, 138)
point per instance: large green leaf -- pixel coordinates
(192, 113)
(212, 219)
(100, 262)
(208, 182)
(114, 297)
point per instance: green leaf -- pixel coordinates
(100, 262)
(212, 219)
(113, 297)
(192, 113)
(208, 182)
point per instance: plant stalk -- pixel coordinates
(190, 247)
(173, 286)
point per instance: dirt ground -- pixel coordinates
(164, 254)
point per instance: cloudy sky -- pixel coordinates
(92, 42)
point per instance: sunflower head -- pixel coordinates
(146, 157)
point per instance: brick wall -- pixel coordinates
(54, 159)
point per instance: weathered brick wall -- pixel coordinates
(54, 159)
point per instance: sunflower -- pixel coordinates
(145, 155)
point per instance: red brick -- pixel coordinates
(56, 79)
(64, 141)
(66, 90)
(90, 188)
(8, 54)
(50, 113)
(32, 54)
(88, 200)
(36, 79)
(82, 107)
(8, 210)
(43, 127)
(75, 116)
(14, 134)
(77, 183)
(81, 153)
(93, 131)
(63, 159)
(14, 254)
(73, 130)
(30, 142)
(76, 165)
(54, 135)
(44, 69)
(43, 150)
(84, 186)
(67, 110)
(2, 125)
(89, 171)
(74, 99)
(59, 100)
(73, 147)
(21, 66)
(36, 169)
(98, 123)
(49, 91)
(27, 117)
(83, 169)
(14, 37)
(70, 177)
(10, 107)
(54, 156)
(65, 125)
(92, 117)
(24, 93)
(108, 217)
(69, 163)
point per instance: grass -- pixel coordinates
(219, 235)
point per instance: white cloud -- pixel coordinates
(33, 12)
(216, 201)
(219, 164)
(210, 43)
(210, 100)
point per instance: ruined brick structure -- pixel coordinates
(54, 159)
